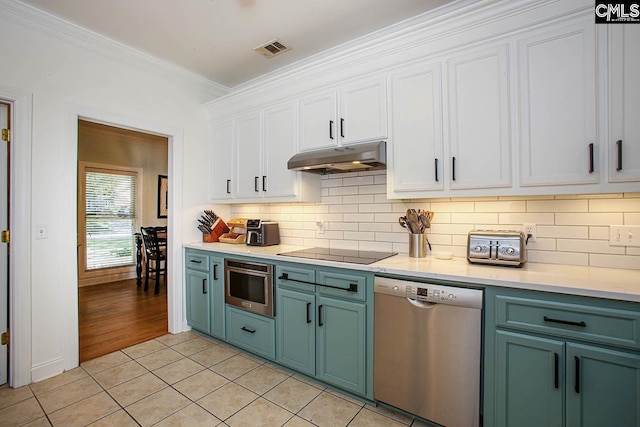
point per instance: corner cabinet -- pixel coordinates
(249, 158)
(324, 325)
(557, 360)
(204, 288)
(352, 113)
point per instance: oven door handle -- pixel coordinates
(352, 286)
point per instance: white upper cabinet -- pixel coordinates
(478, 120)
(415, 151)
(624, 106)
(363, 111)
(249, 161)
(557, 106)
(318, 115)
(362, 115)
(222, 159)
(278, 147)
(251, 151)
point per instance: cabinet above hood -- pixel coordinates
(350, 158)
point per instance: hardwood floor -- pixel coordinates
(116, 315)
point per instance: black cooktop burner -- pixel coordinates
(341, 255)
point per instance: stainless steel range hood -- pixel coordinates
(359, 157)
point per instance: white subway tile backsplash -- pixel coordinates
(588, 218)
(558, 206)
(572, 229)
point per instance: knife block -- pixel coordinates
(218, 229)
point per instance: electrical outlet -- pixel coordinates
(624, 235)
(320, 225)
(530, 231)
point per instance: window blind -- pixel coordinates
(110, 217)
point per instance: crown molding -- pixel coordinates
(50, 25)
(428, 33)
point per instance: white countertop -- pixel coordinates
(597, 282)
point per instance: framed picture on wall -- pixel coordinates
(163, 193)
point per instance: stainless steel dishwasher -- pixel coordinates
(427, 350)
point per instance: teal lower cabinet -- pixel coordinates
(529, 380)
(204, 283)
(251, 331)
(342, 344)
(216, 302)
(324, 325)
(296, 330)
(603, 387)
(559, 360)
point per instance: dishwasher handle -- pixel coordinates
(421, 304)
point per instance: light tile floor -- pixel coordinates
(186, 380)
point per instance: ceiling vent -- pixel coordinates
(273, 48)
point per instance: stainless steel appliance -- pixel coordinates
(350, 158)
(262, 233)
(497, 247)
(340, 255)
(249, 285)
(427, 349)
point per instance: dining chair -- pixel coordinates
(155, 249)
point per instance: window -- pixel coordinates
(108, 210)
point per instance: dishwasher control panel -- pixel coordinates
(429, 292)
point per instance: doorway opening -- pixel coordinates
(5, 125)
(118, 172)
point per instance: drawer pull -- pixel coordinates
(565, 322)
(576, 379)
(556, 369)
(197, 261)
(308, 312)
(251, 331)
(352, 286)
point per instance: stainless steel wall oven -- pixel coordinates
(249, 285)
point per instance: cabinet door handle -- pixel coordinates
(264, 183)
(215, 271)
(453, 168)
(308, 312)
(342, 127)
(228, 186)
(581, 323)
(576, 378)
(330, 129)
(619, 144)
(591, 169)
(204, 286)
(436, 169)
(251, 331)
(255, 184)
(556, 369)
(320, 316)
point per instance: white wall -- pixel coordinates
(572, 230)
(67, 77)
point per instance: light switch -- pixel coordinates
(624, 235)
(42, 231)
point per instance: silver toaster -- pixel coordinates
(497, 247)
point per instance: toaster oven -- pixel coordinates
(497, 247)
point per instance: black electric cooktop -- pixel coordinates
(341, 255)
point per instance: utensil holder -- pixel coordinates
(417, 245)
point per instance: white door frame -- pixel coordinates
(20, 227)
(175, 298)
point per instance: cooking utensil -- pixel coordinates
(412, 221)
(403, 222)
